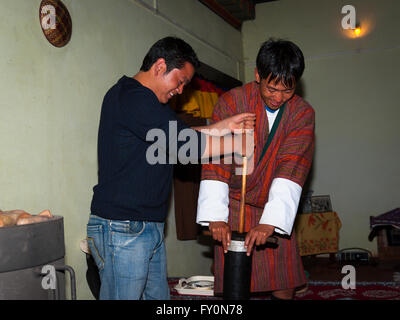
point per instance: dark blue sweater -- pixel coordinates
(131, 186)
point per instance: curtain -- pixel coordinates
(194, 106)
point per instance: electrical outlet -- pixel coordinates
(359, 256)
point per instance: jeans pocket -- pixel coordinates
(95, 238)
(136, 227)
(125, 234)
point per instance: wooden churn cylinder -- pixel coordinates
(237, 266)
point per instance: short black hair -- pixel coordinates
(282, 59)
(175, 51)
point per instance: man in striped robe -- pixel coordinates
(274, 186)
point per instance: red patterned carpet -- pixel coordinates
(320, 290)
(363, 291)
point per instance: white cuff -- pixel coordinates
(281, 209)
(213, 202)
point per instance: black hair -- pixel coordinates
(282, 59)
(175, 51)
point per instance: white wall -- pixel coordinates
(51, 99)
(353, 85)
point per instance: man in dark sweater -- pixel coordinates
(130, 201)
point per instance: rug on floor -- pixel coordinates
(318, 290)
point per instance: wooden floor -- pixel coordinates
(324, 269)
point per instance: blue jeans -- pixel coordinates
(131, 258)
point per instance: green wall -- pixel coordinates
(51, 99)
(353, 85)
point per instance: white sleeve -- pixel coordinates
(213, 202)
(281, 208)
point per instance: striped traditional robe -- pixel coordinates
(289, 156)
